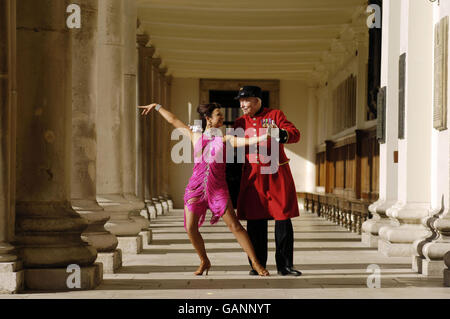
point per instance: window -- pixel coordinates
(344, 105)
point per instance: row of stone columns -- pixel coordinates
(405, 214)
(75, 177)
(156, 142)
(388, 169)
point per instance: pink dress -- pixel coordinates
(207, 187)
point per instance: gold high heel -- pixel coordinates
(203, 267)
(263, 272)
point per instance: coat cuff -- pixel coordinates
(284, 136)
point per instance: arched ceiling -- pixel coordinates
(259, 39)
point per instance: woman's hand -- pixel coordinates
(263, 137)
(148, 108)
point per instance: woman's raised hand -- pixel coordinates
(148, 108)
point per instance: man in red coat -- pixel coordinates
(265, 196)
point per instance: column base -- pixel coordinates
(433, 268)
(123, 227)
(394, 250)
(55, 279)
(369, 240)
(11, 277)
(159, 209)
(447, 277)
(158, 206)
(144, 213)
(165, 207)
(170, 203)
(371, 227)
(417, 264)
(130, 245)
(104, 241)
(142, 221)
(111, 261)
(152, 212)
(147, 236)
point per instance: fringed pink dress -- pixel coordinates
(207, 187)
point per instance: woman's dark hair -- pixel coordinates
(206, 110)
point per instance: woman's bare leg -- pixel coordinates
(242, 237)
(197, 241)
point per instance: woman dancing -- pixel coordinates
(207, 187)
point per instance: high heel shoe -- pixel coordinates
(263, 272)
(203, 267)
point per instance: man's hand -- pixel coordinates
(147, 109)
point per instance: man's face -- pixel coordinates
(250, 105)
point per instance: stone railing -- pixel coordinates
(345, 212)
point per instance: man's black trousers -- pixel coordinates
(284, 241)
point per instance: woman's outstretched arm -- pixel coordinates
(169, 117)
(241, 141)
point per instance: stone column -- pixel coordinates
(414, 171)
(110, 185)
(144, 92)
(168, 90)
(155, 131)
(430, 251)
(140, 131)
(388, 169)
(128, 115)
(11, 274)
(84, 138)
(163, 142)
(361, 43)
(48, 230)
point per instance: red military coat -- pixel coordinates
(267, 196)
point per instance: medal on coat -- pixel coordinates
(272, 124)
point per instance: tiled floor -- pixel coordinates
(333, 261)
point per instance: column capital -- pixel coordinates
(156, 62)
(142, 40)
(163, 71)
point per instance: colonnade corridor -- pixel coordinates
(333, 261)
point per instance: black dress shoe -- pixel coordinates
(289, 271)
(253, 272)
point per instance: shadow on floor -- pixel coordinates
(146, 269)
(179, 224)
(344, 231)
(166, 251)
(274, 282)
(157, 242)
